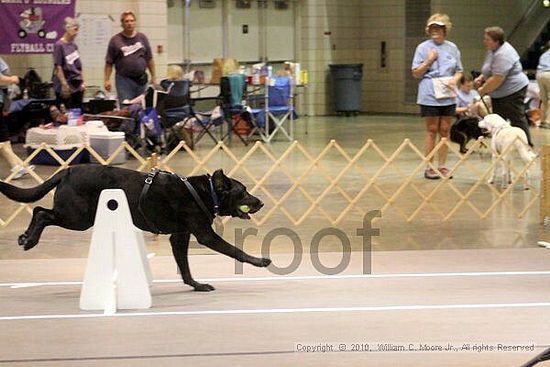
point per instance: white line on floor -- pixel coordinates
(309, 277)
(282, 310)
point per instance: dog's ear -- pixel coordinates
(221, 181)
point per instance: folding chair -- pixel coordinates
(279, 107)
(180, 117)
(232, 95)
(175, 110)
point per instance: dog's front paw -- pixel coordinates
(203, 287)
(264, 263)
(258, 261)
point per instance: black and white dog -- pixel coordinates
(464, 130)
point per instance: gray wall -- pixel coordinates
(357, 27)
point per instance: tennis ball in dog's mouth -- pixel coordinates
(244, 208)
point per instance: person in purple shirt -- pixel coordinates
(130, 53)
(68, 81)
(503, 79)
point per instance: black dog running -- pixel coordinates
(169, 207)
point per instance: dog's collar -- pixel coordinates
(214, 195)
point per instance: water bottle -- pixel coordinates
(25, 93)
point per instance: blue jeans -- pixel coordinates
(127, 88)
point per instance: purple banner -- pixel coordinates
(32, 26)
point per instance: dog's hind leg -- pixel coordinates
(180, 246)
(527, 156)
(210, 239)
(495, 164)
(463, 142)
(41, 218)
(505, 172)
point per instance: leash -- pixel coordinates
(148, 182)
(485, 104)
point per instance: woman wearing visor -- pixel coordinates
(437, 64)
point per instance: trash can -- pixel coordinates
(346, 87)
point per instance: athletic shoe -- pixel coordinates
(445, 172)
(431, 174)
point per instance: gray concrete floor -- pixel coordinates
(258, 322)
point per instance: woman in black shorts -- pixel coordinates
(437, 64)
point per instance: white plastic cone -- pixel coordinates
(117, 273)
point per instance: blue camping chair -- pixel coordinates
(177, 109)
(176, 105)
(278, 109)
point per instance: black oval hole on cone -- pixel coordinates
(112, 204)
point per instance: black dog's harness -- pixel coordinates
(199, 200)
(149, 181)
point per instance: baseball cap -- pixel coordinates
(436, 22)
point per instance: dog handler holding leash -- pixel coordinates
(503, 79)
(437, 64)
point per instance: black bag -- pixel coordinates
(141, 80)
(34, 85)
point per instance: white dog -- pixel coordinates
(503, 135)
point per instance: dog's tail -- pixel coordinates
(33, 193)
(526, 154)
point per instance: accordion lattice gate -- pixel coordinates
(301, 185)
